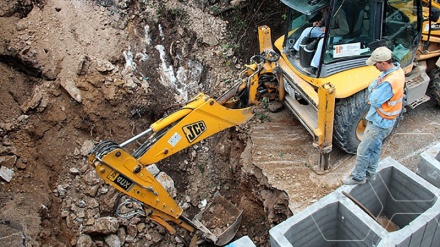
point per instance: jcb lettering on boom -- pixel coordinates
(120, 180)
(194, 130)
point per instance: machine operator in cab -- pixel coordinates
(338, 28)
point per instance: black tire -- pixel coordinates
(435, 90)
(349, 122)
(434, 73)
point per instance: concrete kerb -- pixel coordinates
(407, 199)
(331, 220)
(429, 165)
(279, 233)
(424, 211)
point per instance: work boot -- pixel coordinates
(349, 180)
(371, 177)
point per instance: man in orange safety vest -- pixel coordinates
(386, 103)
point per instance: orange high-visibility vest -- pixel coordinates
(392, 108)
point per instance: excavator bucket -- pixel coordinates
(219, 221)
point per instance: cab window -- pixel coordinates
(361, 28)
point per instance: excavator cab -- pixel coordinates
(395, 24)
(331, 100)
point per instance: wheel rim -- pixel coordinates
(360, 129)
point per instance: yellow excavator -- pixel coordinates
(331, 101)
(328, 93)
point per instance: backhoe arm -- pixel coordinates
(196, 121)
(200, 118)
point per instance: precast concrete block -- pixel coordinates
(329, 222)
(406, 199)
(429, 165)
(244, 241)
(398, 194)
(436, 237)
(429, 234)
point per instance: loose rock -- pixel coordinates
(113, 241)
(71, 88)
(104, 225)
(84, 241)
(6, 173)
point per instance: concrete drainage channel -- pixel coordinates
(406, 199)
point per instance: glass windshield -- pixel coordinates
(348, 28)
(361, 30)
(348, 32)
(399, 29)
(297, 22)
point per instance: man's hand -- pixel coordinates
(323, 29)
(372, 86)
(316, 23)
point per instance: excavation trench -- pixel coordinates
(221, 164)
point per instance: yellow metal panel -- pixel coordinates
(253, 86)
(204, 121)
(117, 167)
(351, 81)
(326, 113)
(346, 83)
(281, 92)
(264, 37)
(433, 38)
(197, 101)
(434, 4)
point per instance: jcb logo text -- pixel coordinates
(194, 130)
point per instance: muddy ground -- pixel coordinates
(74, 73)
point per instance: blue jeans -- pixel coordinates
(314, 33)
(369, 150)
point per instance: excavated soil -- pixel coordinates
(75, 73)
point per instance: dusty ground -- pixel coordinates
(286, 162)
(78, 72)
(74, 73)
